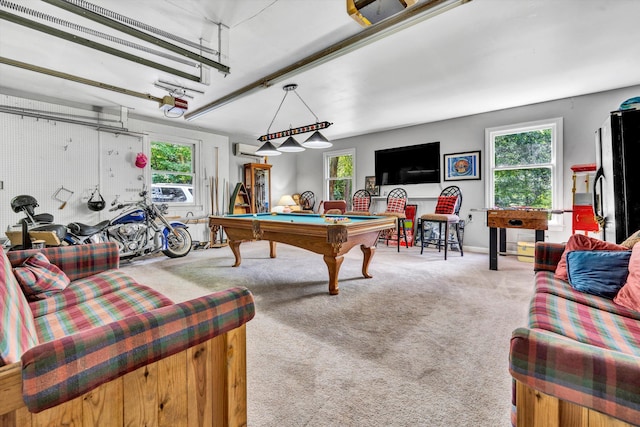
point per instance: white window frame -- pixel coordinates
(326, 157)
(196, 146)
(556, 163)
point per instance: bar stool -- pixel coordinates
(446, 214)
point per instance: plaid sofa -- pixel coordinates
(578, 348)
(102, 326)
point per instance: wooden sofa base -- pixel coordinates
(204, 385)
(536, 409)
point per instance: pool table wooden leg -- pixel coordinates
(272, 249)
(368, 252)
(333, 264)
(235, 248)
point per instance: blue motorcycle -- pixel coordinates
(141, 229)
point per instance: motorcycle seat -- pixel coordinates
(43, 218)
(59, 229)
(80, 229)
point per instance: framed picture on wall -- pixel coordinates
(462, 166)
(370, 185)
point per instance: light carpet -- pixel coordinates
(424, 342)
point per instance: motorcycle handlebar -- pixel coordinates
(124, 205)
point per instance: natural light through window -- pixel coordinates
(172, 172)
(525, 166)
(339, 175)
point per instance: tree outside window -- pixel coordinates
(525, 164)
(172, 172)
(339, 175)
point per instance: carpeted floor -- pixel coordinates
(423, 343)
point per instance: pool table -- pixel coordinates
(317, 233)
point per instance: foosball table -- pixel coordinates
(501, 219)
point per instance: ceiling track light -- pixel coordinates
(290, 145)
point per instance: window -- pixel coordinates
(339, 175)
(525, 166)
(172, 172)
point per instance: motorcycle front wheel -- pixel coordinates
(177, 248)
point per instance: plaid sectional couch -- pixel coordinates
(578, 348)
(102, 326)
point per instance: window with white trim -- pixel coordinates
(173, 172)
(339, 174)
(524, 162)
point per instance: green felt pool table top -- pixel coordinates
(305, 218)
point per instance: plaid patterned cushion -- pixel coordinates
(39, 278)
(546, 283)
(82, 290)
(60, 370)
(585, 324)
(579, 347)
(396, 205)
(17, 328)
(113, 306)
(76, 261)
(360, 204)
(446, 205)
(547, 256)
(586, 375)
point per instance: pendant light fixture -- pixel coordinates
(317, 140)
(290, 145)
(268, 149)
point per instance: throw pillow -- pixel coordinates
(631, 240)
(629, 295)
(395, 204)
(39, 278)
(360, 204)
(580, 242)
(446, 205)
(600, 273)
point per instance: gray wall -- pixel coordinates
(581, 115)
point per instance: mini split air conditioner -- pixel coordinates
(246, 150)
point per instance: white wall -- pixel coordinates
(582, 116)
(40, 156)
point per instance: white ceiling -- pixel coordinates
(481, 56)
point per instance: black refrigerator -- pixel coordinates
(617, 181)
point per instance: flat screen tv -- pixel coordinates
(414, 164)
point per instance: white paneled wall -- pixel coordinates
(44, 157)
(41, 157)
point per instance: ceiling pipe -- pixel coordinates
(93, 45)
(77, 79)
(40, 115)
(391, 25)
(136, 33)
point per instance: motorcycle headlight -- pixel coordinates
(163, 208)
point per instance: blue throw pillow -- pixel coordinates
(600, 273)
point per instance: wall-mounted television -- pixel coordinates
(413, 164)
